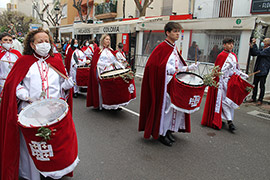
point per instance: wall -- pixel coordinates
(204, 8)
(23, 6)
(241, 8)
(180, 7)
(71, 13)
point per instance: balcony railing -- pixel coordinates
(109, 8)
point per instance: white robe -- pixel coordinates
(121, 58)
(5, 67)
(73, 66)
(31, 88)
(229, 67)
(107, 61)
(88, 52)
(172, 120)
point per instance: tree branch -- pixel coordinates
(139, 6)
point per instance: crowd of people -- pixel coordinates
(39, 74)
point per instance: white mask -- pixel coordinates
(87, 44)
(43, 49)
(6, 46)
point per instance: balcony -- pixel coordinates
(107, 10)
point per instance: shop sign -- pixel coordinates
(260, 6)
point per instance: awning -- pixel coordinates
(247, 23)
(117, 27)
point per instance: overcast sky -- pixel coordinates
(3, 3)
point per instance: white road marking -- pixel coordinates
(259, 114)
(130, 111)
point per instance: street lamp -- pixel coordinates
(57, 11)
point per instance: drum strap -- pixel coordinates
(75, 58)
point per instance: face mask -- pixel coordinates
(262, 44)
(43, 49)
(75, 45)
(87, 44)
(6, 46)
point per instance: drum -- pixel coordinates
(82, 76)
(186, 91)
(50, 136)
(117, 88)
(237, 91)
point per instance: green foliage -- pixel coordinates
(45, 133)
(15, 22)
(208, 79)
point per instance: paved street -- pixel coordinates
(111, 148)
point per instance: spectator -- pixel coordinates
(263, 65)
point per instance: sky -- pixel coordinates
(3, 3)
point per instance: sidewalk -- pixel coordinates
(265, 107)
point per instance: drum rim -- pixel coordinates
(186, 83)
(113, 75)
(37, 102)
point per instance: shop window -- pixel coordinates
(209, 45)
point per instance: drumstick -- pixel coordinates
(196, 55)
(251, 74)
(7, 61)
(58, 72)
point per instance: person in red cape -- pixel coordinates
(104, 59)
(164, 61)
(75, 58)
(8, 57)
(30, 79)
(87, 50)
(216, 108)
(121, 56)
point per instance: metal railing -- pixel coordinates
(105, 8)
(140, 62)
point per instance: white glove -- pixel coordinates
(244, 75)
(193, 66)
(22, 93)
(68, 83)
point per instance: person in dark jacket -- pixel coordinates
(262, 64)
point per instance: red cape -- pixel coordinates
(85, 47)
(92, 98)
(68, 59)
(17, 53)
(152, 92)
(9, 129)
(210, 117)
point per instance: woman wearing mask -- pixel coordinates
(75, 58)
(87, 49)
(104, 59)
(8, 57)
(34, 76)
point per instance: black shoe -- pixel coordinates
(75, 95)
(164, 140)
(170, 136)
(231, 127)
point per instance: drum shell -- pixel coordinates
(115, 91)
(63, 142)
(236, 91)
(185, 98)
(82, 76)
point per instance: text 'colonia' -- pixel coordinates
(111, 29)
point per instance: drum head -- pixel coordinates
(114, 73)
(189, 78)
(43, 113)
